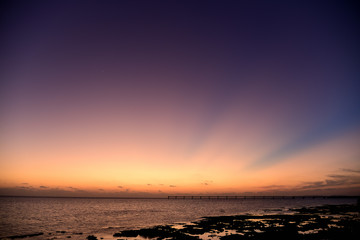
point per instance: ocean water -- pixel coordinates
(67, 217)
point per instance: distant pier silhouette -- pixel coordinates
(221, 197)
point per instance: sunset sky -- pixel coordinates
(154, 98)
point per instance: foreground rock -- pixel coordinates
(26, 235)
(325, 222)
(159, 232)
(91, 237)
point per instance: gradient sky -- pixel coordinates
(150, 98)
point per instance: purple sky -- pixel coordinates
(251, 85)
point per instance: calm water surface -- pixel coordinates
(107, 216)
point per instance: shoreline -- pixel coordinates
(341, 221)
(322, 222)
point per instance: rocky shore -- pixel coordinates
(325, 222)
(312, 223)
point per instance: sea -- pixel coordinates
(76, 218)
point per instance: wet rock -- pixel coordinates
(127, 233)
(26, 235)
(91, 237)
(159, 232)
(328, 209)
(232, 237)
(307, 223)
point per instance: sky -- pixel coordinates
(157, 98)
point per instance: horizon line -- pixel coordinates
(197, 197)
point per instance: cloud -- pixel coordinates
(172, 186)
(120, 186)
(149, 184)
(333, 180)
(273, 186)
(346, 183)
(24, 187)
(311, 185)
(207, 182)
(69, 191)
(350, 170)
(39, 191)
